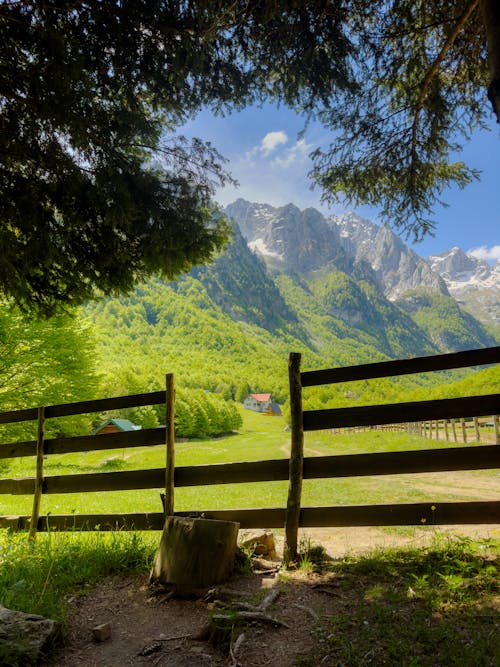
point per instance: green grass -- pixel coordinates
(261, 437)
(38, 577)
(415, 607)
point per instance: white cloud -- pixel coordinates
(272, 140)
(297, 153)
(277, 177)
(483, 252)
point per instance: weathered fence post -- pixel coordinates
(454, 429)
(464, 432)
(40, 440)
(476, 429)
(296, 458)
(446, 432)
(169, 439)
(495, 428)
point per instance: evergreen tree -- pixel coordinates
(421, 73)
(97, 188)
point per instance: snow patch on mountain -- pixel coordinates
(259, 246)
(471, 281)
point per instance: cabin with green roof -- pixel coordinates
(116, 426)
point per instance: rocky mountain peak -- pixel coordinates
(455, 265)
(398, 268)
(473, 282)
(287, 238)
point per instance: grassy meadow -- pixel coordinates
(261, 437)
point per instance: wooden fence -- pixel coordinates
(485, 430)
(295, 470)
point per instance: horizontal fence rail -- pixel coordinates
(408, 514)
(369, 415)
(437, 362)
(484, 457)
(84, 407)
(85, 443)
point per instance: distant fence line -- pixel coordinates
(294, 470)
(456, 430)
(485, 430)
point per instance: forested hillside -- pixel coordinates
(227, 329)
(178, 328)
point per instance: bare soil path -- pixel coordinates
(145, 630)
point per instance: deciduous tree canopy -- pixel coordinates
(98, 190)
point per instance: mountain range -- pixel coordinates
(471, 281)
(342, 290)
(290, 239)
(308, 247)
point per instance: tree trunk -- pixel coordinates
(491, 19)
(195, 553)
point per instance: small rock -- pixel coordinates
(261, 541)
(101, 632)
(26, 636)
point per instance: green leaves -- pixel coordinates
(45, 362)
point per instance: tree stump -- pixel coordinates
(195, 553)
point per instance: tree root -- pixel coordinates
(248, 616)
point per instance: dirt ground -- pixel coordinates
(148, 630)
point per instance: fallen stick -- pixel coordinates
(262, 606)
(268, 599)
(308, 609)
(233, 649)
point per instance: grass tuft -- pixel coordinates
(37, 578)
(427, 607)
(311, 556)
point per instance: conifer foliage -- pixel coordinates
(98, 190)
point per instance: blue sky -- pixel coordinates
(270, 160)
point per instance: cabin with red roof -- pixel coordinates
(262, 403)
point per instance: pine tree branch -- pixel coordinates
(431, 73)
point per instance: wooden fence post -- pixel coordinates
(170, 438)
(446, 432)
(35, 512)
(476, 429)
(464, 432)
(453, 429)
(495, 428)
(296, 459)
